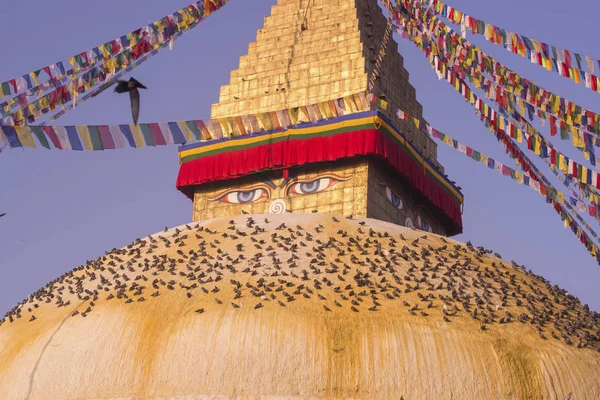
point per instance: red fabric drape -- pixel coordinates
(295, 152)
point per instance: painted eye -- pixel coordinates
(396, 200)
(314, 186)
(423, 224)
(409, 223)
(243, 196)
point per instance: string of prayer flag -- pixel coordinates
(470, 56)
(542, 147)
(588, 151)
(161, 30)
(568, 64)
(105, 137)
(493, 164)
(27, 113)
(381, 54)
(528, 166)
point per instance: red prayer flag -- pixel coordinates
(157, 134)
(49, 131)
(567, 58)
(115, 47)
(106, 137)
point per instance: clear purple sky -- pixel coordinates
(64, 208)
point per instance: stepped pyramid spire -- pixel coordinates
(365, 164)
(316, 50)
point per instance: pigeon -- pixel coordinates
(131, 86)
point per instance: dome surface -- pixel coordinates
(299, 306)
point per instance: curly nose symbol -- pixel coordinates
(277, 207)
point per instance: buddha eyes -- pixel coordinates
(263, 191)
(423, 224)
(312, 186)
(394, 198)
(243, 196)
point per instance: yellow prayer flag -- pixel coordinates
(519, 136)
(33, 75)
(501, 120)
(519, 176)
(74, 64)
(132, 40)
(294, 115)
(111, 65)
(44, 102)
(25, 137)
(577, 140)
(186, 131)
(584, 174)
(104, 50)
(522, 107)
(561, 197)
(484, 159)
(577, 77)
(569, 119)
(18, 115)
(84, 134)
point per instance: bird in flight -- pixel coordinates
(2, 215)
(131, 86)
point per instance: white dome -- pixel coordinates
(326, 342)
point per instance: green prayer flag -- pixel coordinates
(476, 155)
(195, 130)
(578, 58)
(147, 135)
(79, 60)
(39, 133)
(5, 88)
(95, 138)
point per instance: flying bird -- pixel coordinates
(131, 86)
(2, 215)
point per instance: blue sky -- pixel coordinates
(64, 208)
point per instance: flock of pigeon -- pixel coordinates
(251, 261)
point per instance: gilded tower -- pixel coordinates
(310, 52)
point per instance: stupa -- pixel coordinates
(317, 264)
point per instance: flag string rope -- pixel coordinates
(472, 55)
(539, 53)
(84, 80)
(537, 143)
(431, 50)
(491, 163)
(491, 122)
(105, 137)
(168, 25)
(538, 176)
(582, 171)
(118, 75)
